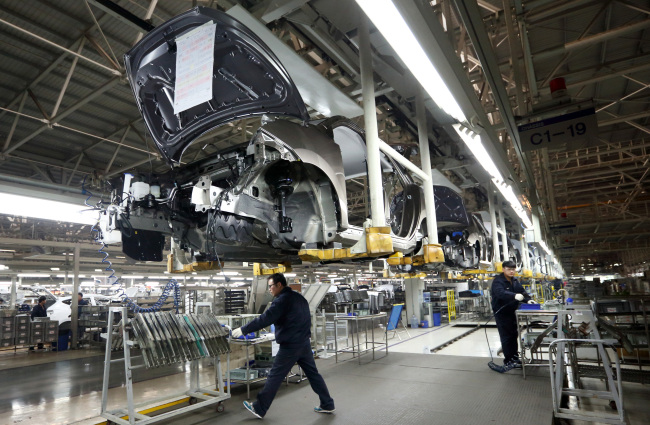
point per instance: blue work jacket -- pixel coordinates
(503, 294)
(289, 312)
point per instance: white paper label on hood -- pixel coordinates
(194, 64)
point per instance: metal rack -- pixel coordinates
(354, 325)
(234, 301)
(247, 343)
(627, 316)
(325, 333)
(196, 392)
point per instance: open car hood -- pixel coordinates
(247, 80)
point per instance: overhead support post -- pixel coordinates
(526, 272)
(14, 292)
(378, 239)
(74, 316)
(433, 250)
(370, 121)
(504, 234)
(493, 224)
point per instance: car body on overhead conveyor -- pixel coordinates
(283, 191)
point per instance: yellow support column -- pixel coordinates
(378, 241)
(194, 267)
(260, 270)
(451, 304)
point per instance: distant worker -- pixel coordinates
(80, 302)
(289, 312)
(506, 293)
(39, 310)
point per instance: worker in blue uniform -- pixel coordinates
(39, 310)
(507, 293)
(289, 312)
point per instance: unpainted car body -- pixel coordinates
(264, 200)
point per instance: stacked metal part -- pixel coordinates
(166, 338)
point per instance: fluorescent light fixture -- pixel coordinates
(25, 206)
(133, 277)
(542, 244)
(55, 269)
(509, 195)
(159, 277)
(332, 275)
(289, 275)
(473, 142)
(396, 31)
(231, 273)
(152, 283)
(33, 275)
(202, 277)
(3, 267)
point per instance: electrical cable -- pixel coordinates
(485, 326)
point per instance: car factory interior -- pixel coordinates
(324, 212)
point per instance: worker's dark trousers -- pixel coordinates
(507, 326)
(284, 361)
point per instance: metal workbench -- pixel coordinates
(353, 323)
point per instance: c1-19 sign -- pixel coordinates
(576, 130)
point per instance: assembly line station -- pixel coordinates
(162, 159)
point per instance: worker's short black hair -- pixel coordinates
(509, 264)
(279, 278)
(81, 294)
(41, 298)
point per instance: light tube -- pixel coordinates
(25, 206)
(385, 16)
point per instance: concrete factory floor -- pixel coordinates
(401, 388)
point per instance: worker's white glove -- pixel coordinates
(237, 333)
(518, 297)
(532, 302)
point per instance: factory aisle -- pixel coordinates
(400, 388)
(423, 340)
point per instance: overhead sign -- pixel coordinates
(575, 130)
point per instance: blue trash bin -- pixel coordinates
(64, 341)
(436, 319)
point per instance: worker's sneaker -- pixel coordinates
(250, 408)
(321, 410)
(512, 364)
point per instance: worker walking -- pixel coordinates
(289, 312)
(506, 293)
